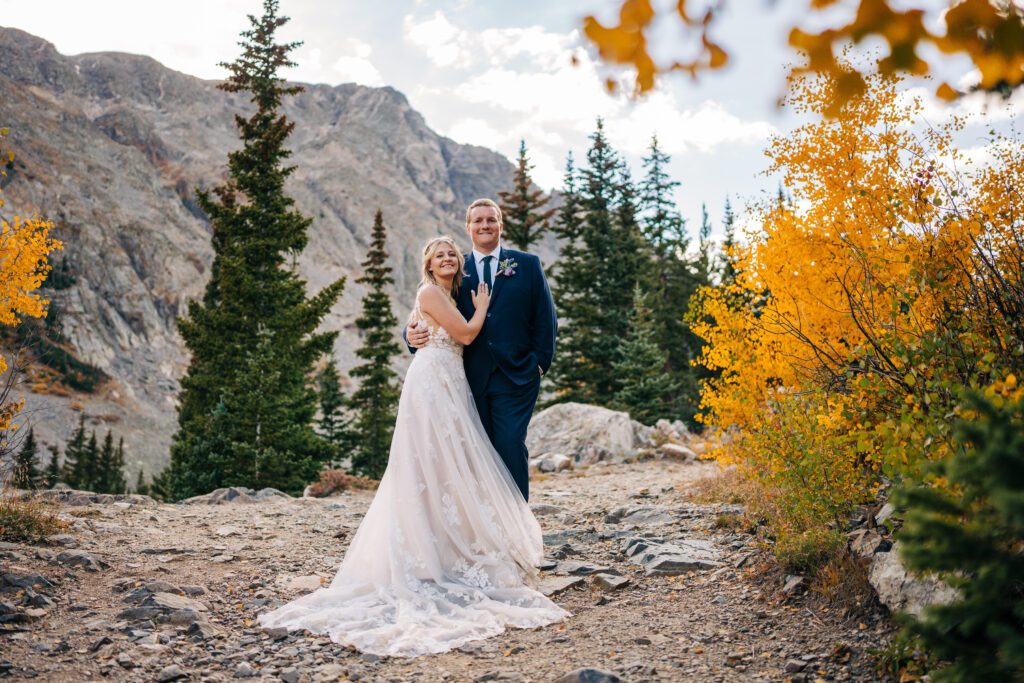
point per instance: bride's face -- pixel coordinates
(444, 262)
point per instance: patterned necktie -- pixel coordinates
(487, 271)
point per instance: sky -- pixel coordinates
(493, 73)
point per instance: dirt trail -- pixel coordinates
(184, 583)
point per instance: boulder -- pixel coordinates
(586, 433)
(81, 558)
(551, 462)
(231, 494)
(902, 591)
(670, 559)
(588, 675)
(674, 451)
(867, 542)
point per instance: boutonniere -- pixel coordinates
(506, 268)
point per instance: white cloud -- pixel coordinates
(993, 108)
(681, 130)
(349, 63)
(439, 39)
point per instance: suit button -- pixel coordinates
(488, 315)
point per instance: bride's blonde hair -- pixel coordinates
(428, 253)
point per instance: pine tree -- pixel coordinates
(704, 265)
(254, 291)
(116, 476)
(53, 468)
(969, 531)
(570, 370)
(73, 473)
(608, 257)
(335, 424)
(26, 470)
(376, 399)
(141, 488)
(727, 263)
(523, 214)
(648, 393)
(110, 467)
(672, 282)
(89, 462)
(245, 435)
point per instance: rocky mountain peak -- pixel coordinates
(111, 146)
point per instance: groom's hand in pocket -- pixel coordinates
(417, 334)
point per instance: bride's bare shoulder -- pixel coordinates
(430, 294)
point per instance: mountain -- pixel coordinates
(111, 147)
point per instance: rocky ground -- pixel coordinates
(137, 591)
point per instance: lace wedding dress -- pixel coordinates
(448, 548)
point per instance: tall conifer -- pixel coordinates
(26, 469)
(253, 302)
(73, 473)
(90, 464)
(335, 423)
(672, 281)
(570, 370)
(53, 468)
(727, 263)
(376, 399)
(523, 214)
(647, 392)
(608, 256)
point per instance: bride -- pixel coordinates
(447, 551)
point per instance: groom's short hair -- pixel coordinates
(484, 202)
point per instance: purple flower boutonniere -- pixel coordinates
(506, 268)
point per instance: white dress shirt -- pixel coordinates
(478, 256)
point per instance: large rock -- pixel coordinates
(902, 591)
(670, 559)
(586, 433)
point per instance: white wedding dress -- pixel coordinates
(448, 549)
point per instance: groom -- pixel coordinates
(514, 349)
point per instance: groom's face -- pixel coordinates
(484, 228)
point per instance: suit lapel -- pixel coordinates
(469, 278)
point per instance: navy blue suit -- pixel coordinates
(504, 362)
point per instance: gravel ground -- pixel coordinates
(657, 593)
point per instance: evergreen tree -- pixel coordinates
(704, 265)
(570, 370)
(26, 470)
(727, 264)
(141, 487)
(90, 461)
(254, 292)
(375, 401)
(609, 256)
(969, 531)
(110, 467)
(73, 473)
(53, 469)
(245, 435)
(648, 393)
(114, 477)
(672, 282)
(160, 486)
(335, 424)
(523, 214)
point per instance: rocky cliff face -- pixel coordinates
(111, 146)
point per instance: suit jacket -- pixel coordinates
(518, 336)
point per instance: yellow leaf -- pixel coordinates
(946, 92)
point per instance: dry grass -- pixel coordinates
(728, 486)
(336, 481)
(843, 583)
(27, 519)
